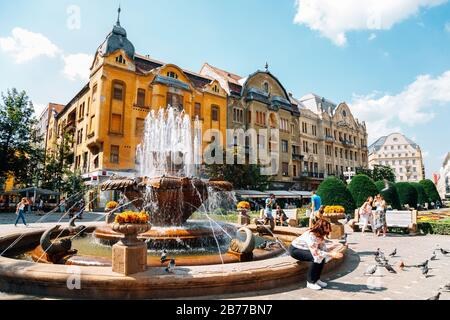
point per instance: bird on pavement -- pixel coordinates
(378, 260)
(425, 270)
(433, 257)
(171, 266)
(423, 264)
(164, 256)
(444, 252)
(389, 268)
(436, 297)
(393, 253)
(378, 252)
(371, 270)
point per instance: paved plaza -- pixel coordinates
(348, 282)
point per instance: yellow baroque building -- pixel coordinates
(105, 120)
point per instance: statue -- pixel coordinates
(243, 249)
(58, 251)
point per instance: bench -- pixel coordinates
(406, 219)
(292, 215)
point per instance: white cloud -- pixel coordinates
(387, 113)
(77, 66)
(334, 18)
(24, 45)
(372, 36)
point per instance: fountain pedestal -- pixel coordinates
(129, 256)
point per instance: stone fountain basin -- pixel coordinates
(23, 277)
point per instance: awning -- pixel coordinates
(277, 193)
(250, 194)
(33, 191)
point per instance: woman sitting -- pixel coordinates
(310, 246)
(281, 217)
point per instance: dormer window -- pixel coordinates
(172, 74)
(120, 60)
(216, 89)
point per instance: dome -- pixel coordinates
(117, 39)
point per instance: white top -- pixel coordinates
(317, 246)
(21, 206)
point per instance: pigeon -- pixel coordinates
(444, 252)
(423, 264)
(371, 270)
(393, 253)
(389, 268)
(447, 286)
(263, 245)
(378, 252)
(171, 266)
(164, 256)
(436, 297)
(378, 260)
(425, 270)
(433, 257)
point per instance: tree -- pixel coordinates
(407, 194)
(378, 173)
(242, 176)
(431, 190)
(361, 187)
(18, 148)
(334, 192)
(389, 194)
(422, 196)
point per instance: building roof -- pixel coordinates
(376, 146)
(230, 77)
(117, 39)
(318, 104)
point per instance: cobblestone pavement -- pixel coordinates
(348, 282)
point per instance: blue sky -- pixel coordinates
(390, 60)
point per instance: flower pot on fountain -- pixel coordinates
(243, 217)
(129, 255)
(333, 214)
(110, 211)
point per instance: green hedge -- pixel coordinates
(437, 227)
(362, 187)
(390, 195)
(334, 192)
(303, 222)
(407, 194)
(431, 191)
(422, 196)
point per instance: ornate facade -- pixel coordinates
(401, 154)
(105, 120)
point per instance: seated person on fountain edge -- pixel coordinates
(281, 217)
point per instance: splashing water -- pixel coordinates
(169, 145)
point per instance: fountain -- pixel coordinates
(208, 253)
(167, 187)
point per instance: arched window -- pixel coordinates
(120, 60)
(172, 74)
(266, 87)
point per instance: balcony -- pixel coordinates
(329, 138)
(317, 175)
(297, 157)
(347, 143)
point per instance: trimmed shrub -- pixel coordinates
(335, 193)
(407, 194)
(422, 196)
(390, 195)
(430, 190)
(362, 187)
(438, 227)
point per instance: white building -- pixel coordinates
(444, 179)
(401, 154)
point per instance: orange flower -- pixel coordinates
(132, 217)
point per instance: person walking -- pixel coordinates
(20, 211)
(365, 214)
(270, 202)
(62, 205)
(311, 247)
(316, 204)
(379, 220)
